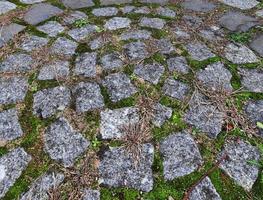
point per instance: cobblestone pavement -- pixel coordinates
(131, 99)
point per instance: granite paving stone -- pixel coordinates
(252, 79)
(178, 64)
(64, 47)
(76, 4)
(52, 28)
(156, 23)
(33, 42)
(116, 23)
(111, 61)
(6, 6)
(85, 65)
(199, 51)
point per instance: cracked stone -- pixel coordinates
(199, 5)
(111, 61)
(6, 6)
(241, 4)
(165, 12)
(33, 42)
(52, 28)
(252, 79)
(136, 35)
(90, 194)
(136, 51)
(178, 64)
(257, 44)
(85, 65)
(161, 114)
(76, 4)
(64, 46)
(8, 32)
(82, 33)
(156, 23)
(116, 23)
(105, 12)
(199, 51)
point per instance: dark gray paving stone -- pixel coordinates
(178, 64)
(252, 79)
(204, 190)
(237, 21)
(63, 144)
(63, 46)
(119, 86)
(136, 35)
(76, 4)
(41, 12)
(117, 169)
(199, 51)
(10, 128)
(164, 46)
(237, 165)
(41, 187)
(111, 61)
(31, 1)
(136, 51)
(149, 72)
(18, 62)
(49, 101)
(239, 54)
(74, 16)
(88, 97)
(156, 23)
(116, 23)
(112, 2)
(13, 89)
(181, 155)
(90, 194)
(105, 12)
(33, 42)
(54, 70)
(257, 44)
(12, 165)
(175, 89)
(212, 34)
(198, 5)
(82, 33)
(6, 6)
(242, 4)
(215, 77)
(112, 121)
(165, 12)
(85, 65)
(163, 2)
(98, 42)
(52, 28)
(161, 114)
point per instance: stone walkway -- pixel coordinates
(131, 99)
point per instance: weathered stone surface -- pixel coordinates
(161, 114)
(116, 23)
(33, 42)
(82, 33)
(91, 194)
(252, 79)
(117, 169)
(180, 33)
(10, 128)
(112, 121)
(31, 1)
(136, 35)
(105, 12)
(119, 86)
(12, 165)
(215, 77)
(199, 51)
(18, 62)
(156, 23)
(41, 12)
(142, 10)
(212, 34)
(76, 4)
(155, 1)
(150, 72)
(199, 5)
(85, 65)
(52, 28)
(237, 165)
(127, 9)
(164, 46)
(6, 6)
(165, 12)
(242, 4)
(99, 42)
(192, 21)
(54, 70)
(204, 190)
(40, 189)
(48, 102)
(237, 21)
(240, 54)
(74, 16)
(64, 144)
(111, 61)
(64, 46)
(110, 2)
(257, 44)
(178, 64)
(9, 31)
(88, 97)
(13, 89)
(175, 89)
(136, 50)
(180, 154)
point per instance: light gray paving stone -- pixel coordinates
(112, 2)
(178, 64)
(127, 9)
(117, 169)
(90, 194)
(111, 61)
(116, 23)
(98, 42)
(142, 10)
(164, 46)
(199, 51)
(82, 33)
(50, 101)
(88, 97)
(198, 5)
(64, 46)
(40, 188)
(119, 86)
(105, 12)
(63, 143)
(165, 12)
(112, 121)
(155, 23)
(242, 4)
(257, 44)
(13, 89)
(31, 1)
(85, 65)
(10, 128)
(33, 42)
(136, 35)
(136, 51)
(180, 154)
(180, 33)
(52, 28)
(162, 2)
(74, 16)
(12, 165)
(252, 79)
(237, 165)
(6, 6)
(161, 114)
(76, 4)
(212, 34)
(193, 21)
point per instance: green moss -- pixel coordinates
(240, 37)
(3, 150)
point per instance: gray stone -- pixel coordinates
(252, 79)
(199, 5)
(82, 33)
(10, 128)
(257, 45)
(119, 86)
(76, 4)
(237, 165)
(54, 70)
(150, 72)
(155, 1)
(212, 34)
(99, 42)
(33, 42)
(237, 21)
(111, 2)
(112, 121)
(111, 61)
(64, 144)
(136, 35)
(12, 165)
(91, 194)
(88, 97)
(116, 23)
(74, 16)
(180, 33)
(41, 12)
(6, 6)
(85, 65)
(136, 51)
(259, 13)
(240, 54)
(64, 46)
(40, 189)
(175, 89)
(52, 28)
(105, 12)
(156, 23)
(199, 51)
(18, 62)
(31, 1)
(215, 77)
(242, 4)
(192, 21)
(164, 46)
(161, 114)
(13, 89)
(165, 12)
(178, 64)
(117, 169)
(180, 154)
(127, 9)
(49, 101)
(142, 10)
(204, 190)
